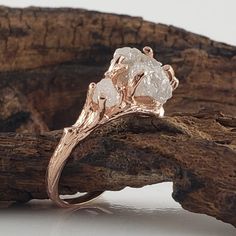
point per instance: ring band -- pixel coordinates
(134, 83)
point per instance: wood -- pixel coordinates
(195, 151)
(48, 58)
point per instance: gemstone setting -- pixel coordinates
(105, 88)
(155, 83)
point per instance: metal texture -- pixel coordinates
(96, 114)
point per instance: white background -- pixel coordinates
(149, 210)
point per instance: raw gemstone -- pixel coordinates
(155, 83)
(131, 54)
(106, 88)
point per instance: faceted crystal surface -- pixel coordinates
(105, 88)
(155, 83)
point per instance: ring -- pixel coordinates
(134, 83)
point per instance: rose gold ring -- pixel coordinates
(134, 83)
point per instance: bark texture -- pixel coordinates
(48, 58)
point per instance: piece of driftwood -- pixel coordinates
(48, 58)
(194, 151)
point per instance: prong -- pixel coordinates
(148, 51)
(90, 92)
(116, 62)
(134, 83)
(120, 60)
(92, 85)
(101, 105)
(171, 75)
(136, 80)
(175, 83)
(169, 69)
(122, 95)
(118, 69)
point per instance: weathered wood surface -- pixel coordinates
(195, 151)
(48, 58)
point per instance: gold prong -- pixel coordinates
(120, 60)
(137, 79)
(148, 51)
(101, 105)
(175, 83)
(169, 69)
(90, 92)
(171, 75)
(114, 63)
(135, 82)
(120, 68)
(122, 95)
(92, 85)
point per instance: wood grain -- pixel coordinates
(48, 58)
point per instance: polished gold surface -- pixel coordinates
(96, 114)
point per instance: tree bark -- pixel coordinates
(48, 58)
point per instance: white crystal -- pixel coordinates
(106, 88)
(155, 83)
(130, 54)
(133, 55)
